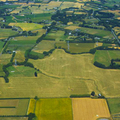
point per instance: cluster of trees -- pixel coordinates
(62, 16)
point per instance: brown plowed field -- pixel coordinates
(89, 109)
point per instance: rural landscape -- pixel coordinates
(59, 59)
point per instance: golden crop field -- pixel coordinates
(53, 4)
(89, 109)
(66, 5)
(71, 27)
(31, 108)
(27, 26)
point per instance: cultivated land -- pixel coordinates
(53, 109)
(89, 109)
(13, 106)
(37, 30)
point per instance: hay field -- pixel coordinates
(19, 56)
(89, 109)
(66, 5)
(44, 45)
(13, 106)
(53, 4)
(54, 109)
(71, 27)
(27, 26)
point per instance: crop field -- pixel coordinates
(13, 106)
(101, 33)
(89, 109)
(5, 33)
(19, 56)
(5, 58)
(32, 105)
(44, 45)
(53, 4)
(54, 109)
(114, 105)
(71, 27)
(104, 56)
(27, 26)
(56, 35)
(76, 47)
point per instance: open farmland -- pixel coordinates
(27, 26)
(89, 109)
(44, 45)
(54, 109)
(14, 118)
(13, 106)
(76, 47)
(5, 33)
(55, 35)
(105, 56)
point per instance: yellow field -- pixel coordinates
(31, 108)
(44, 45)
(67, 5)
(89, 109)
(79, 13)
(117, 30)
(53, 4)
(98, 44)
(71, 27)
(27, 26)
(116, 12)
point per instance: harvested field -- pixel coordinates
(89, 109)
(71, 27)
(27, 26)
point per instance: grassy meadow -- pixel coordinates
(104, 56)
(54, 109)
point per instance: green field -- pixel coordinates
(54, 109)
(1, 45)
(5, 33)
(104, 56)
(114, 105)
(21, 71)
(55, 35)
(76, 47)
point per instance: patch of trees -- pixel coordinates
(40, 38)
(114, 64)
(62, 16)
(13, 55)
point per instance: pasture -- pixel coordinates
(89, 109)
(71, 27)
(5, 33)
(27, 26)
(114, 105)
(14, 118)
(21, 71)
(1, 45)
(13, 106)
(76, 47)
(54, 109)
(104, 56)
(55, 35)
(101, 33)
(44, 45)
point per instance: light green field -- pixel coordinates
(104, 56)
(54, 109)
(101, 33)
(55, 35)
(21, 71)
(27, 26)
(1, 45)
(76, 47)
(114, 105)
